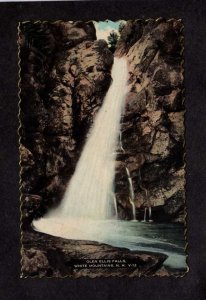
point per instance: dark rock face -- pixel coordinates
(65, 73)
(53, 256)
(152, 124)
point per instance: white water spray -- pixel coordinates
(120, 142)
(133, 209)
(150, 214)
(115, 205)
(89, 192)
(145, 215)
(131, 190)
(89, 195)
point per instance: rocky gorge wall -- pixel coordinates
(153, 121)
(65, 73)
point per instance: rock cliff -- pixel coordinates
(152, 125)
(65, 73)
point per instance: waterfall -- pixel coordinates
(133, 209)
(150, 214)
(89, 192)
(131, 190)
(115, 205)
(120, 142)
(130, 184)
(145, 215)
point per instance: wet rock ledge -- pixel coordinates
(44, 255)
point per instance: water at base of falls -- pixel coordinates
(151, 237)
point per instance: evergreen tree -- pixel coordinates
(121, 26)
(112, 40)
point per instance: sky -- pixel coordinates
(103, 28)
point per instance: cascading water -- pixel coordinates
(150, 214)
(89, 195)
(145, 215)
(120, 142)
(115, 205)
(131, 198)
(133, 209)
(89, 192)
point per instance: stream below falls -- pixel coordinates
(163, 238)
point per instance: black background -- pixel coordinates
(191, 286)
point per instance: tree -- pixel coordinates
(121, 26)
(112, 40)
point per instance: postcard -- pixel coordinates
(102, 148)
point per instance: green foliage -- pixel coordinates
(121, 26)
(112, 40)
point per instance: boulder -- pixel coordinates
(44, 255)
